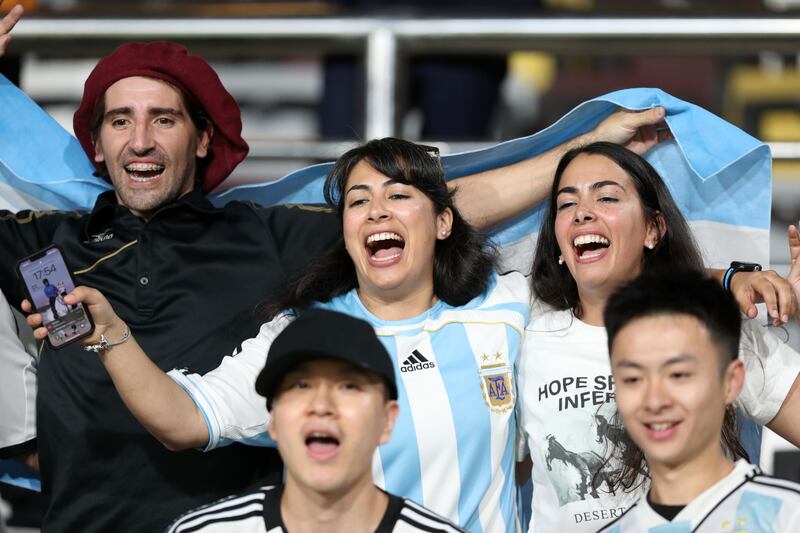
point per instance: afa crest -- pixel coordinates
(497, 387)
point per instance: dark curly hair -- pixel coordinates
(462, 263)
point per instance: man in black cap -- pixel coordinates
(331, 392)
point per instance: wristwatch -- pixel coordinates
(738, 266)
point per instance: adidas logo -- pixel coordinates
(416, 361)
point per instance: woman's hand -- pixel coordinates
(768, 287)
(638, 131)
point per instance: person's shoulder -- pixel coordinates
(781, 488)
(282, 209)
(508, 290)
(546, 319)
(515, 281)
(29, 215)
(622, 522)
(773, 500)
(312, 221)
(414, 517)
(227, 510)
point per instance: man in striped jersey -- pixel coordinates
(674, 344)
(332, 395)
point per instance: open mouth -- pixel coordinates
(144, 172)
(322, 445)
(385, 246)
(587, 246)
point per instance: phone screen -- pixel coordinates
(48, 280)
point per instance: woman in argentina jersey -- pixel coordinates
(413, 268)
(609, 217)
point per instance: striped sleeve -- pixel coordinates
(226, 396)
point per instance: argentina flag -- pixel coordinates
(42, 166)
(719, 175)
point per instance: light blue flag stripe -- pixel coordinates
(473, 427)
(39, 158)
(717, 172)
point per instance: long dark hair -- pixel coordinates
(632, 471)
(553, 283)
(674, 293)
(462, 263)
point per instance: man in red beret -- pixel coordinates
(161, 127)
(184, 275)
(148, 75)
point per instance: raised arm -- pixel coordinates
(7, 24)
(160, 404)
(491, 197)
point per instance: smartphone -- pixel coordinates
(47, 280)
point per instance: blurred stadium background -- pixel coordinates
(314, 77)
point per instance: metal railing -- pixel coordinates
(384, 41)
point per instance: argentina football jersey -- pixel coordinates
(745, 501)
(452, 447)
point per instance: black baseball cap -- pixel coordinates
(323, 334)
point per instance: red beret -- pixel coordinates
(170, 62)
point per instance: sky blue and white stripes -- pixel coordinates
(720, 176)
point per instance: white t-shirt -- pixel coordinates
(567, 408)
(744, 500)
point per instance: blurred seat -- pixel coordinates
(751, 90)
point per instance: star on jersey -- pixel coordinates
(497, 385)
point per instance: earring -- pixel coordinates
(560, 259)
(444, 233)
(651, 245)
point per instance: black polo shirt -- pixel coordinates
(186, 282)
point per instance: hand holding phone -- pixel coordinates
(106, 322)
(47, 282)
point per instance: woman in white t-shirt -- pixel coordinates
(610, 217)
